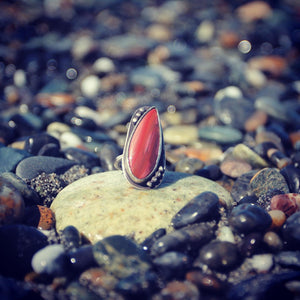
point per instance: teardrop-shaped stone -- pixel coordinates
(144, 145)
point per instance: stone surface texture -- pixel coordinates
(105, 204)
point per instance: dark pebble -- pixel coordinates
(219, 256)
(203, 207)
(21, 242)
(288, 259)
(34, 143)
(246, 218)
(70, 238)
(268, 179)
(171, 263)
(212, 172)
(263, 286)
(31, 167)
(78, 121)
(50, 149)
(292, 177)
(184, 239)
(251, 244)
(81, 259)
(291, 231)
(82, 157)
(150, 240)
(10, 158)
(29, 195)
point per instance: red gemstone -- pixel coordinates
(144, 145)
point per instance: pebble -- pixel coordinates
(31, 167)
(251, 244)
(246, 218)
(189, 165)
(256, 120)
(201, 208)
(273, 241)
(289, 259)
(291, 230)
(12, 205)
(182, 239)
(70, 238)
(90, 86)
(118, 208)
(50, 260)
(10, 158)
(33, 144)
(40, 217)
(178, 290)
(268, 179)
(220, 134)
(30, 197)
(21, 243)
(243, 152)
(235, 168)
(262, 263)
(180, 134)
(278, 218)
(288, 203)
(219, 256)
(171, 263)
(292, 177)
(80, 259)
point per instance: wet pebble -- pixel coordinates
(219, 256)
(33, 166)
(12, 206)
(273, 241)
(70, 238)
(291, 230)
(33, 144)
(251, 244)
(80, 259)
(50, 260)
(278, 218)
(171, 263)
(292, 177)
(201, 208)
(246, 218)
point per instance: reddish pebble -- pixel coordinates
(278, 218)
(257, 119)
(295, 137)
(255, 10)
(40, 217)
(11, 204)
(235, 168)
(178, 290)
(55, 100)
(286, 203)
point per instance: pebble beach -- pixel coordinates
(225, 79)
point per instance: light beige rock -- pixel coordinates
(105, 204)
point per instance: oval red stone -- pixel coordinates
(144, 145)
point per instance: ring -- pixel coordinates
(143, 160)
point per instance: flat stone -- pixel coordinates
(104, 204)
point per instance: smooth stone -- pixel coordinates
(34, 143)
(291, 230)
(250, 244)
(10, 157)
(288, 203)
(203, 207)
(268, 179)
(219, 256)
(180, 134)
(246, 218)
(104, 204)
(90, 86)
(292, 177)
(243, 152)
(50, 260)
(29, 195)
(273, 241)
(235, 168)
(31, 167)
(70, 238)
(288, 259)
(220, 134)
(81, 258)
(262, 263)
(278, 218)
